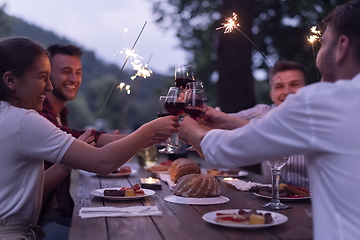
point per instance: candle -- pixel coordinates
(150, 183)
(151, 180)
(228, 179)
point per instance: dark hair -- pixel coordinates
(69, 49)
(17, 55)
(282, 66)
(345, 20)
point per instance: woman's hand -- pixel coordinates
(165, 126)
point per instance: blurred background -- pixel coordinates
(177, 32)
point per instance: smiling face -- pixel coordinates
(289, 82)
(30, 89)
(66, 76)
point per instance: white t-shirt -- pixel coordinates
(295, 170)
(322, 121)
(26, 139)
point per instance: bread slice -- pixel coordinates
(181, 167)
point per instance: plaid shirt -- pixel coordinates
(65, 204)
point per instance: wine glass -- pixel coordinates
(162, 112)
(183, 75)
(275, 166)
(174, 104)
(195, 102)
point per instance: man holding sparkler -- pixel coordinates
(66, 78)
(320, 120)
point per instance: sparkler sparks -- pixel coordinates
(122, 85)
(141, 71)
(315, 34)
(122, 68)
(231, 24)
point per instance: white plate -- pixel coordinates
(283, 198)
(160, 172)
(278, 218)
(100, 193)
(240, 174)
(196, 201)
(118, 174)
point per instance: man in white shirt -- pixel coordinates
(320, 120)
(285, 78)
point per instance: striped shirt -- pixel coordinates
(295, 170)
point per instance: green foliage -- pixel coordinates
(4, 25)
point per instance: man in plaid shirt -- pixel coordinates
(66, 77)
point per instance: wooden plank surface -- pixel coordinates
(179, 221)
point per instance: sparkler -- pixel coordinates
(142, 72)
(229, 27)
(315, 35)
(122, 68)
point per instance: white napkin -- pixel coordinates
(90, 212)
(166, 178)
(242, 185)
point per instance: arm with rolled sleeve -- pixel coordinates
(283, 131)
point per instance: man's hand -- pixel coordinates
(220, 120)
(192, 133)
(88, 137)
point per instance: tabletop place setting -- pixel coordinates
(225, 198)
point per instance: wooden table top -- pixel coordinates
(178, 221)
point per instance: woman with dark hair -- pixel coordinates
(28, 138)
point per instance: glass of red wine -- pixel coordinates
(183, 75)
(195, 102)
(174, 105)
(162, 112)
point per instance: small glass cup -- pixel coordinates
(275, 166)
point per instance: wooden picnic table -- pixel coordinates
(178, 221)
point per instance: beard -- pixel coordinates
(59, 94)
(326, 65)
(328, 71)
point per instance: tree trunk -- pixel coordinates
(235, 85)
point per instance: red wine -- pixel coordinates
(174, 109)
(163, 114)
(195, 113)
(195, 102)
(181, 82)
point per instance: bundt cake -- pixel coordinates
(197, 185)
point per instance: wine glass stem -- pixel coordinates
(275, 184)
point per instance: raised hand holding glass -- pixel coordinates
(174, 104)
